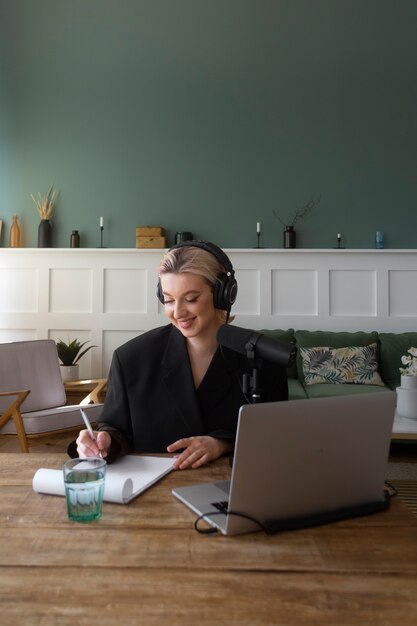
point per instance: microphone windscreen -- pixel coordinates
(234, 337)
(244, 340)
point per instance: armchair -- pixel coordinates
(32, 394)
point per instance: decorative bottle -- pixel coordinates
(289, 237)
(14, 241)
(75, 239)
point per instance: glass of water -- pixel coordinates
(84, 488)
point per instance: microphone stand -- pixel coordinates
(251, 384)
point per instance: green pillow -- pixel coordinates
(355, 365)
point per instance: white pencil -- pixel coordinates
(90, 430)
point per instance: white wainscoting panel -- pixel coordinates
(403, 293)
(108, 295)
(19, 289)
(249, 299)
(125, 290)
(70, 290)
(294, 292)
(353, 293)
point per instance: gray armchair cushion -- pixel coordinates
(32, 365)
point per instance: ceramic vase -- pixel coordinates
(289, 237)
(14, 233)
(45, 234)
(69, 372)
(407, 397)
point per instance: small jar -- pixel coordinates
(182, 236)
(75, 239)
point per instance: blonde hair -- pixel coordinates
(193, 260)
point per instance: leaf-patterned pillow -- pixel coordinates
(356, 365)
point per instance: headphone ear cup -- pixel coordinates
(159, 293)
(225, 292)
(218, 292)
(231, 290)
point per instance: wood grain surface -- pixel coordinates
(143, 563)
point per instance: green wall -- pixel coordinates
(205, 115)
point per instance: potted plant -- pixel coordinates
(69, 354)
(407, 393)
(409, 373)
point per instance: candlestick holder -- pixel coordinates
(258, 245)
(339, 241)
(101, 237)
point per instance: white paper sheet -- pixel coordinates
(125, 479)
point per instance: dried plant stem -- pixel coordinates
(45, 204)
(300, 213)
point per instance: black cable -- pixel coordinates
(308, 521)
(210, 531)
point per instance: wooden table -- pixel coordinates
(143, 563)
(78, 390)
(404, 429)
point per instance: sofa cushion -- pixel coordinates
(313, 338)
(392, 347)
(329, 390)
(349, 365)
(283, 335)
(296, 390)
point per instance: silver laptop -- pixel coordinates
(301, 463)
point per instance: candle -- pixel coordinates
(101, 222)
(258, 227)
(339, 236)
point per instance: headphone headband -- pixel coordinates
(208, 246)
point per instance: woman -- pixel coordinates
(174, 388)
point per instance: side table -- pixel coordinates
(90, 390)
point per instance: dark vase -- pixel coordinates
(45, 234)
(289, 237)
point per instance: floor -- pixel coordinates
(51, 443)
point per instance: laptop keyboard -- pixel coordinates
(221, 506)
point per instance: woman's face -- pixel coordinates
(189, 304)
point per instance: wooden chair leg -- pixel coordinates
(20, 430)
(13, 412)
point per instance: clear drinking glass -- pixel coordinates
(84, 488)
(379, 239)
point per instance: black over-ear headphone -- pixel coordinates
(225, 289)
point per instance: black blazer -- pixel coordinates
(151, 399)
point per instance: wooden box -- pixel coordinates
(149, 231)
(151, 242)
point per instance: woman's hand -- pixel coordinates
(198, 451)
(86, 446)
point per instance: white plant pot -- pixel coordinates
(407, 397)
(408, 382)
(69, 372)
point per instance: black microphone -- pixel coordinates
(245, 341)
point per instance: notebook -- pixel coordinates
(125, 479)
(301, 463)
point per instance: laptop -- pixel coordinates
(301, 463)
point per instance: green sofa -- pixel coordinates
(390, 348)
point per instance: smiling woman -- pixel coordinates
(173, 388)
